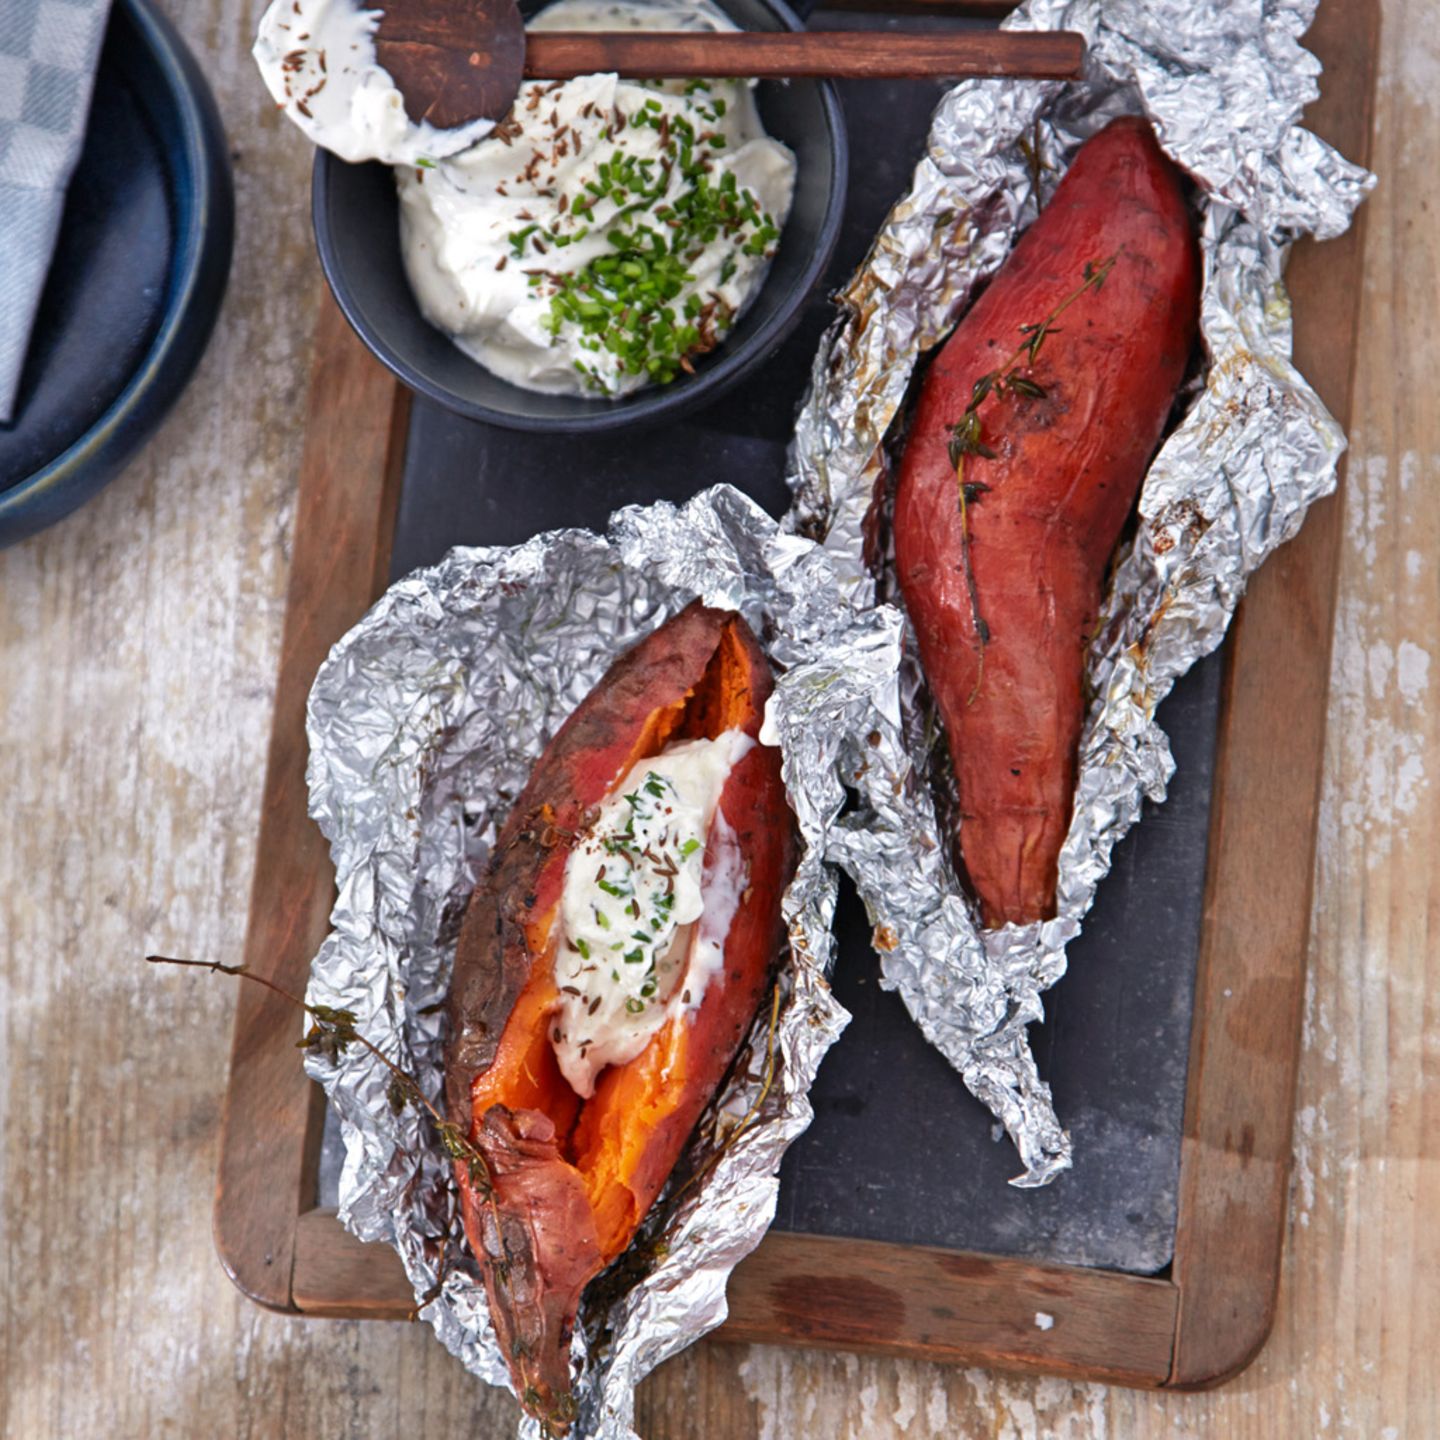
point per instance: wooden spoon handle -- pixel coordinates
(842, 54)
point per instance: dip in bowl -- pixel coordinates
(574, 356)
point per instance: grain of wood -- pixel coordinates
(841, 54)
(138, 648)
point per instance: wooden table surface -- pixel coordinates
(138, 648)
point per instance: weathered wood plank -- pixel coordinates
(1235, 1162)
(349, 484)
(330, 1262)
(850, 1295)
(949, 1306)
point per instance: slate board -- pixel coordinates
(899, 1150)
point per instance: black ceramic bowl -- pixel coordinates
(137, 278)
(357, 231)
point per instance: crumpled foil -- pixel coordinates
(426, 719)
(424, 724)
(1223, 83)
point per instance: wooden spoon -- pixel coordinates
(460, 60)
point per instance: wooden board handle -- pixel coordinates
(840, 54)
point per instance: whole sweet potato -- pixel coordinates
(1032, 435)
(570, 1178)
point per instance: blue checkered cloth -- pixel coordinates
(48, 53)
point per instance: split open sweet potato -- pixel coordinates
(570, 1178)
(1032, 435)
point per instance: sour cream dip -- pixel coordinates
(649, 893)
(318, 61)
(599, 239)
(608, 232)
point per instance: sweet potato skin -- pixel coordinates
(558, 1209)
(1054, 501)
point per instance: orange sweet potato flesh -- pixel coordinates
(573, 1178)
(1045, 514)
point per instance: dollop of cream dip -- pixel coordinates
(650, 891)
(318, 61)
(608, 232)
(600, 238)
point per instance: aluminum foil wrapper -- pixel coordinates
(1223, 83)
(424, 724)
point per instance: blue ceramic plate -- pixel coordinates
(137, 278)
(357, 232)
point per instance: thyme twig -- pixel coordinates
(1035, 161)
(767, 1079)
(967, 435)
(333, 1031)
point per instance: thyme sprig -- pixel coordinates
(334, 1030)
(1035, 162)
(967, 434)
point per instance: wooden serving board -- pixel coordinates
(845, 1280)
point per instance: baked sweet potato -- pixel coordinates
(570, 1175)
(1032, 434)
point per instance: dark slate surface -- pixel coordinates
(899, 1151)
